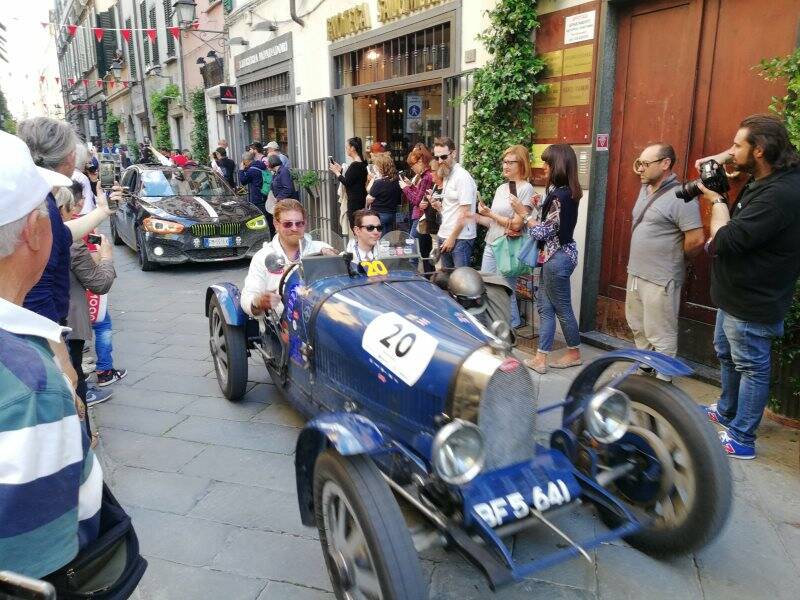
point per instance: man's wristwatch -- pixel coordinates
(719, 200)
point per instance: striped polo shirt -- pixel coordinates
(50, 480)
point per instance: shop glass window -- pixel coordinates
(412, 54)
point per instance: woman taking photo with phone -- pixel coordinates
(354, 179)
(558, 255)
(414, 191)
(502, 220)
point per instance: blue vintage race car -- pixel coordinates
(413, 401)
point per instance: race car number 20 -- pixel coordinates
(399, 345)
(496, 511)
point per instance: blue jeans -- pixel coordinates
(743, 349)
(555, 300)
(102, 344)
(388, 220)
(459, 256)
(489, 265)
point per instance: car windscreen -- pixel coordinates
(182, 182)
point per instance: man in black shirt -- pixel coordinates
(756, 263)
(226, 165)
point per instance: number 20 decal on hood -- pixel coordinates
(399, 345)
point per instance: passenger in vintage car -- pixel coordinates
(367, 229)
(260, 286)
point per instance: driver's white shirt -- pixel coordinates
(259, 281)
(358, 254)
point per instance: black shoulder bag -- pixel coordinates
(658, 193)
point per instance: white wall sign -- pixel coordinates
(579, 28)
(413, 113)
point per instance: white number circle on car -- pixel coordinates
(399, 345)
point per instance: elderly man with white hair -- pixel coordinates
(51, 480)
(53, 146)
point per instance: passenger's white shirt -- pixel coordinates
(259, 281)
(358, 254)
(459, 190)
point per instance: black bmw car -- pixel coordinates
(174, 215)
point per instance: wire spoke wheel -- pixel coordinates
(228, 351)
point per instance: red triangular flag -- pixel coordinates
(98, 33)
(175, 31)
(151, 33)
(99, 83)
(41, 78)
(196, 24)
(126, 33)
(86, 83)
(71, 29)
(58, 80)
(125, 84)
(110, 84)
(44, 24)
(71, 81)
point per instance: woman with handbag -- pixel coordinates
(558, 255)
(414, 191)
(504, 237)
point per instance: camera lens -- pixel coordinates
(689, 190)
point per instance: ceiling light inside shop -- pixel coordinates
(372, 55)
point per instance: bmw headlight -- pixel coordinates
(458, 452)
(259, 222)
(608, 414)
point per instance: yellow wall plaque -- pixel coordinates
(553, 63)
(550, 98)
(578, 59)
(536, 155)
(546, 125)
(350, 21)
(388, 10)
(575, 92)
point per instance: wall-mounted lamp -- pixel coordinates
(238, 41)
(265, 26)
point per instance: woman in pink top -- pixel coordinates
(415, 190)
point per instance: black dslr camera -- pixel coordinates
(712, 175)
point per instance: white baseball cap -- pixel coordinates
(273, 145)
(23, 185)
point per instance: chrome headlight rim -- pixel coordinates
(596, 426)
(439, 441)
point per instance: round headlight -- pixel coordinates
(608, 415)
(458, 452)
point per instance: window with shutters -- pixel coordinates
(145, 39)
(108, 47)
(156, 58)
(169, 21)
(131, 53)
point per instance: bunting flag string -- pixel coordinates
(126, 34)
(151, 33)
(175, 31)
(71, 30)
(98, 33)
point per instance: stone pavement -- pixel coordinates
(210, 484)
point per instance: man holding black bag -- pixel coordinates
(665, 230)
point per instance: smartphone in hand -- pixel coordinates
(512, 187)
(330, 160)
(94, 239)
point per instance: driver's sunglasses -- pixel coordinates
(441, 157)
(643, 164)
(371, 228)
(293, 224)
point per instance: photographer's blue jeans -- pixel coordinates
(489, 265)
(459, 256)
(102, 344)
(744, 352)
(554, 300)
(388, 220)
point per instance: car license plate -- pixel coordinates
(517, 505)
(220, 242)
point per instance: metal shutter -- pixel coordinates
(131, 52)
(145, 39)
(168, 21)
(156, 58)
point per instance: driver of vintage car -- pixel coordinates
(261, 284)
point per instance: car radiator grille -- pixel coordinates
(507, 417)
(212, 229)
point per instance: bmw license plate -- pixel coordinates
(218, 242)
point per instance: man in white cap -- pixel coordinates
(52, 482)
(274, 148)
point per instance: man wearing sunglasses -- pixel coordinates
(457, 232)
(665, 230)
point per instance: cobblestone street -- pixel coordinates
(211, 485)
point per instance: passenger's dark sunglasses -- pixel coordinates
(372, 227)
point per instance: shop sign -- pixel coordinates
(413, 113)
(264, 55)
(579, 28)
(227, 94)
(348, 22)
(389, 10)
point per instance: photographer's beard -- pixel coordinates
(749, 164)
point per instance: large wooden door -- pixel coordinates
(684, 76)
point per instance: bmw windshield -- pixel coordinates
(182, 182)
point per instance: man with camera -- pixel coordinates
(665, 230)
(755, 248)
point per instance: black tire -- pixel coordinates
(710, 474)
(144, 262)
(375, 512)
(114, 233)
(228, 351)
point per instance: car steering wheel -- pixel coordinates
(286, 274)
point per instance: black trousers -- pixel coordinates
(76, 358)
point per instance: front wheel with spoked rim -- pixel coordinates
(365, 541)
(681, 488)
(228, 351)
